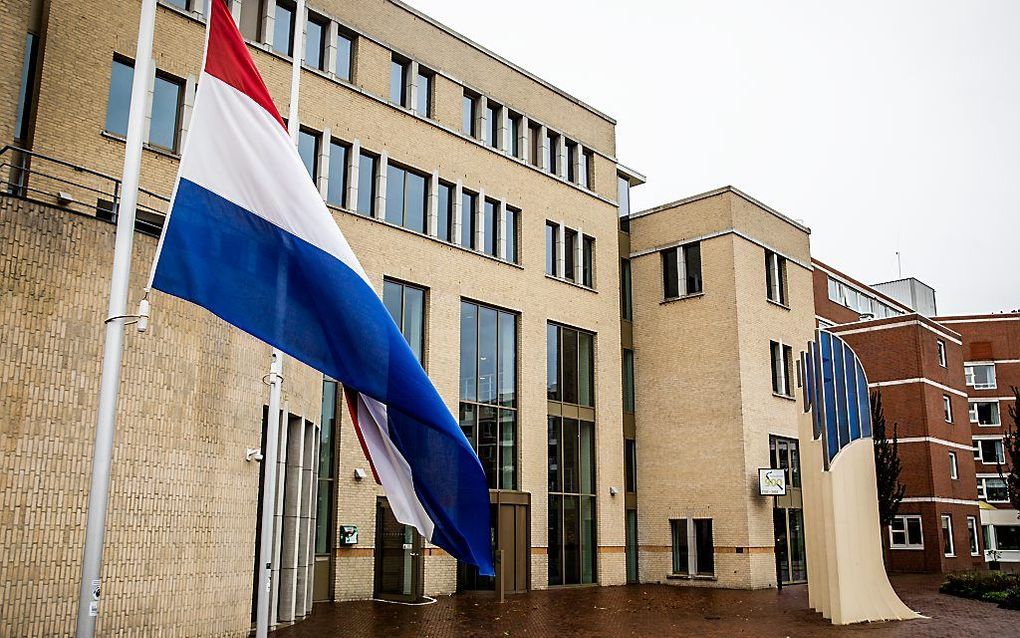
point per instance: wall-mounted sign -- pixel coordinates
(348, 535)
(771, 482)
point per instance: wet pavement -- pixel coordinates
(652, 610)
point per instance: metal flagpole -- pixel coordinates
(270, 454)
(113, 348)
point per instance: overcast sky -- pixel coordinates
(884, 126)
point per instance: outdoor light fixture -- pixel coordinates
(359, 474)
(613, 491)
(252, 454)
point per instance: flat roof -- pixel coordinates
(719, 191)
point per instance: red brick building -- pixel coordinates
(991, 351)
(918, 366)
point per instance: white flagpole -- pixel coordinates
(113, 348)
(270, 454)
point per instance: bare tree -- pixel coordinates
(887, 463)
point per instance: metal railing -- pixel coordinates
(48, 180)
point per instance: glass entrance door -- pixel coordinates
(791, 564)
(398, 558)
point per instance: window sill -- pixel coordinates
(443, 242)
(778, 304)
(693, 295)
(788, 397)
(146, 146)
(691, 577)
(988, 425)
(196, 16)
(949, 555)
(570, 283)
(908, 547)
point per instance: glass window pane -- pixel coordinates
(444, 225)
(467, 219)
(251, 19)
(510, 234)
(398, 81)
(588, 539)
(514, 132)
(630, 465)
(692, 265)
(314, 34)
(330, 389)
(551, 238)
(414, 215)
(703, 542)
(414, 320)
(507, 450)
(586, 466)
(488, 443)
(555, 540)
(336, 187)
(571, 540)
(393, 299)
(569, 253)
(586, 369)
(366, 184)
(680, 549)
(469, 422)
(489, 227)
(551, 151)
(25, 91)
(468, 122)
(552, 365)
(308, 149)
(394, 194)
(670, 278)
(491, 133)
(588, 261)
(568, 344)
(628, 381)
(344, 48)
(571, 456)
(486, 355)
(626, 293)
(119, 101)
(283, 29)
(468, 351)
(424, 95)
(555, 478)
(166, 107)
(507, 359)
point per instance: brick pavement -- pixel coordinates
(652, 610)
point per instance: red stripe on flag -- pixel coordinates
(227, 58)
(352, 405)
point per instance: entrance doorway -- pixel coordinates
(399, 564)
(510, 525)
(791, 565)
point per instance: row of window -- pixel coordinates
(859, 301)
(474, 222)
(512, 133)
(569, 254)
(981, 413)
(905, 532)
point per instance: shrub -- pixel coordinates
(1011, 600)
(998, 597)
(976, 584)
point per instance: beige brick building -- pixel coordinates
(484, 204)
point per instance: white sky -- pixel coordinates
(883, 126)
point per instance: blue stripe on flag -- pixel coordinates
(306, 302)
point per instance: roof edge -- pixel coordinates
(719, 191)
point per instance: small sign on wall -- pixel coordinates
(771, 482)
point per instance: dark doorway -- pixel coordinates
(399, 565)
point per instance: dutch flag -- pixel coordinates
(249, 238)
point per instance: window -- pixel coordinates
(992, 489)
(782, 367)
(490, 134)
(324, 494)
(344, 54)
(985, 413)
(308, 149)
(406, 194)
(444, 224)
(535, 152)
(490, 220)
(470, 115)
(366, 184)
(570, 365)
(250, 23)
(629, 466)
(905, 532)
(468, 203)
(846, 295)
(972, 536)
(989, 451)
(315, 41)
(336, 185)
(623, 195)
(587, 164)
(681, 271)
(398, 80)
(980, 376)
(119, 102)
(571, 161)
(940, 345)
(1007, 537)
(551, 158)
(948, 548)
(424, 105)
(588, 261)
(947, 408)
(693, 552)
(775, 277)
(406, 304)
(509, 239)
(514, 121)
(488, 389)
(626, 291)
(954, 472)
(25, 93)
(552, 242)
(572, 507)
(784, 454)
(165, 118)
(569, 254)
(283, 29)
(628, 380)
